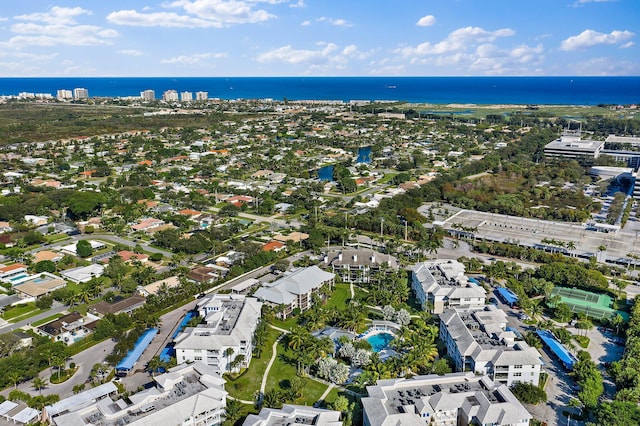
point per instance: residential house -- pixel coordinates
(82, 274)
(49, 255)
(274, 246)
(10, 273)
(35, 286)
(126, 306)
(69, 328)
(148, 225)
(156, 286)
(5, 227)
(203, 274)
(225, 340)
(294, 290)
(129, 256)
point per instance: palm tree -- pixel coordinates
(154, 365)
(233, 411)
(297, 338)
(228, 352)
(39, 383)
(14, 377)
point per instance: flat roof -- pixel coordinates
(507, 295)
(557, 348)
(134, 354)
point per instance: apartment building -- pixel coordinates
(294, 415)
(170, 96)
(225, 340)
(479, 341)
(80, 93)
(360, 266)
(295, 289)
(441, 284)
(148, 95)
(449, 400)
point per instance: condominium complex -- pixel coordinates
(294, 415)
(170, 96)
(80, 93)
(225, 340)
(64, 94)
(452, 399)
(441, 284)
(295, 290)
(202, 96)
(186, 96)
(148, 95)
(186, 395)
(479, 341)
(360, 266)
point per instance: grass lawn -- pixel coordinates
(387, 178)
(245, 386)
(18, 311)
(287, 324)
(280, 373)
(46, 320)
(339, 297)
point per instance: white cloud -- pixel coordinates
(192, 59)
(56, 15)
(158, 19)
(339, 22)
(589, 38)
(130, 52)
(627, 45)
(225, 11)
(426, 21)
(52, 35)
(306, 23)
(579, 3)
(458, 40)
(300, 3)
(295, 56)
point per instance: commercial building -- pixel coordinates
(186, 395)
(441, 284)
(225, 340)
(294, 415)
(148, 95)
(295, 289)
(479, 341)
(80, 93)
(359, 265)
(571, 145)
(452, 399)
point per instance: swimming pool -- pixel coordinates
(380, 341)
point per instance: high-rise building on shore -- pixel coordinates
(64, 94)
(170, 96)
(80, 93)
(202, 96)
(186, 96)
(148, 95)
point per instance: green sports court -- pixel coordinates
(594, 305)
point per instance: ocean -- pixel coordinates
(434, 90)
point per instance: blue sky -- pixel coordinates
(319, 37)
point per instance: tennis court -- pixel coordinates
(597, 306)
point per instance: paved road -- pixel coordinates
(56, 308)
(107, 237)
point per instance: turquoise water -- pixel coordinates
(380, 341)
(18, 277)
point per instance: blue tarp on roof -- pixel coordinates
(134, 354)
(507, 296)
(556, 347)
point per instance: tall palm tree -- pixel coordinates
(15, 378)
(39, 383)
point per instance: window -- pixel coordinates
(197, 358)
(517, 366)
(517, 374)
